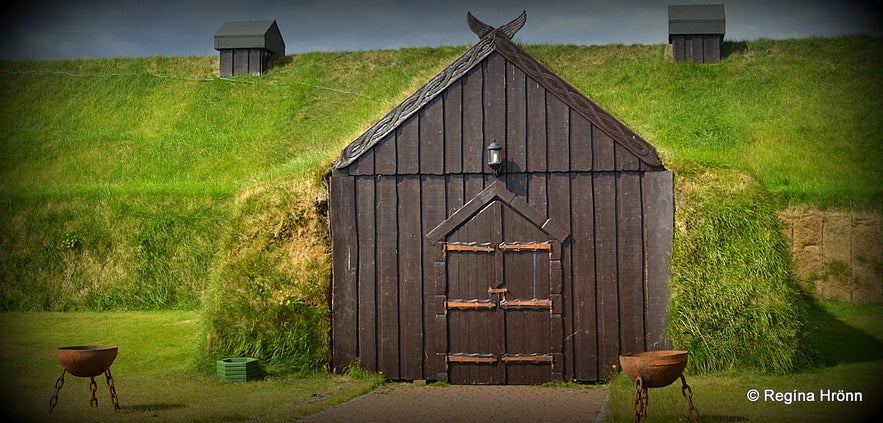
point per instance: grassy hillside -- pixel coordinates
(150, 183)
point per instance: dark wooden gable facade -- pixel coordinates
(444, 270)
(696, 32)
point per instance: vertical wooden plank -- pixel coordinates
(385, 155)
(603, 154)
(695, 53)
(387, 277)
(495, 337)
(659, 217)
(407, 145)
(626, 161)
(559, 210)
(537, 195)
(630, 255)
(366, 225)
(494, 106)
(689, 54)
(454, 193)
(606, 269)
(226, 63)
(433, 212)
(344, 299)
(441, 321)
(678, 48)
(516, 130)
(474, 184)
(240, 61)
(364, 165)
(453, 124)
(410, 278)
(581, 143)
(432, 133)
(536, 126)
(584, 333)
(711, 49)
(558, 129)
(473, 121)
(254, 61)
(265, 60)
(457, 272)
(516, 119)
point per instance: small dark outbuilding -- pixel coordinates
(498, 227)
(246, 47)
(696, 32)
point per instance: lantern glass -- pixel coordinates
(494, 156)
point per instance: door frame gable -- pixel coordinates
(497, 191)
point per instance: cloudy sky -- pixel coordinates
(56, 29)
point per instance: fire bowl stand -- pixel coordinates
(641, 399)
(93, 386)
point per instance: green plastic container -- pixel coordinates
(239, 369)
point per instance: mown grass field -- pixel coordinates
(849, 339)
(153, 374)
(155, 379)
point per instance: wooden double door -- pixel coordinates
(503, 300)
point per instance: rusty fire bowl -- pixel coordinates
(655, 368)
(86, 361)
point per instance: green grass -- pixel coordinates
(801, 116)
(849, 339)
(142, 170)
(153, 374)
(269, 297)
(150, 184)
(734, 302)
(102, 150)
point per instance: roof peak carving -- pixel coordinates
(508, 30)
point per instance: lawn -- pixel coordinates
(152, 374)
(849, 340)
(155, 380)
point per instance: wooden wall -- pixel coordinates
(701, 48)
(617, 209)
(244, 61)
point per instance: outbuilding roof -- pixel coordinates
(250, 34)
(696, 19)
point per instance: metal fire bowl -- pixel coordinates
(86, 361)
(655, 368)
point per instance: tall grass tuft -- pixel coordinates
(269, 297)
(734, 302)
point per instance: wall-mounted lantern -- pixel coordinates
(495, 156)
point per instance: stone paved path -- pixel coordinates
(467, 403)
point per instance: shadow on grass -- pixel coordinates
(837, 342)
(152, 407)
(733, 47)
(713, 418)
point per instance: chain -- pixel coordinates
(113, 391)
(688, 394)
(58, 384)
(641, 399)
(94, 388)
